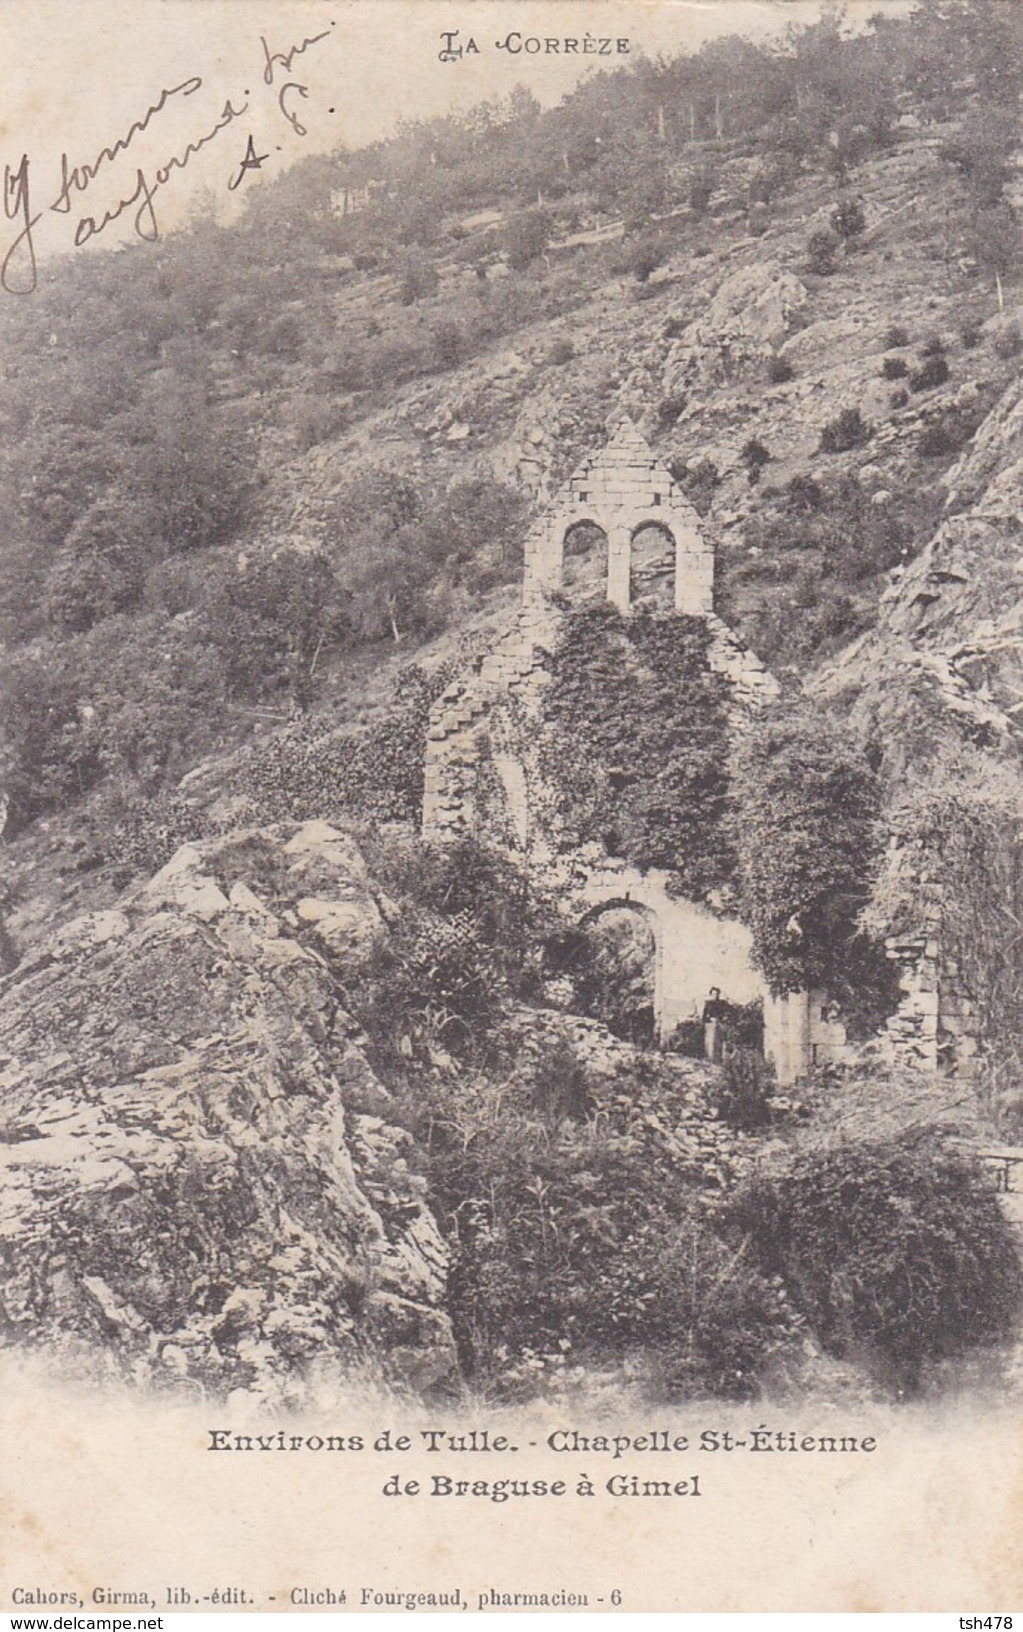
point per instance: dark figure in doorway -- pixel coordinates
(714, 1011)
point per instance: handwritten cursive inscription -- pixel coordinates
(22, 250)
(79, 176)
(286, 58)
(18, 268)
(145, 224)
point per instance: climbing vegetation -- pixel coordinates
(636, 745)
(807, 832)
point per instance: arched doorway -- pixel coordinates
(652, 569)
(584, 562)
(611, 960)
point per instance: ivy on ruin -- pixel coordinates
(636, 748)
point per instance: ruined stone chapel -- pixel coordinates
(619, 530)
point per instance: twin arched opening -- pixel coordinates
(635, 568)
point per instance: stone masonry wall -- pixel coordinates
(620, 490)
(934, 1027)
(460, 714)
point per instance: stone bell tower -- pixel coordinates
(642, 534)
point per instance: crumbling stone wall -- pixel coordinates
(803, 1030)
(458, 720)
(934, 1027)
(482, 770)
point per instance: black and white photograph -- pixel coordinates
(511, 820)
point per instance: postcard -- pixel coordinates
(511, 856)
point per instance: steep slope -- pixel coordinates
(946, 658)
(199, 1181)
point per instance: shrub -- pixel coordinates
(314, 419)
(561, 1086)
(896, 337)
(700, 482)
(86, 585)
(668, 410)
(688, 1040)
(805, 494)
(464, 940)
(970, 333)
(934, 372)
(754, 456)
(1008, 341)
(945, 436)
(899, 398)
(894, 368)
(848, 430)
(124, 699)
(702, 187)
(806, 805)
(418, 279)
(895, 1250)
(758, 219)
(373, 772)
(779, 370)
(742, 1090)
(449, 343)
(822, 253)
(981, 150)
(610, 962)
(644, 255)
(809, 575)
(848, 218)
(561, 352)
(526, 238)
(933, 346)
(575, 1240)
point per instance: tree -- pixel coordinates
(271, 619)
(526, 238)
(404, 551)
(807, 807)
(101, 567)
(418, 280)
(996, 243)
(195, 473)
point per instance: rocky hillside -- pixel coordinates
(946, 657)
(735, 356)
(200, 1182)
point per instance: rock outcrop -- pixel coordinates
(946, 658)
(200, 1185)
